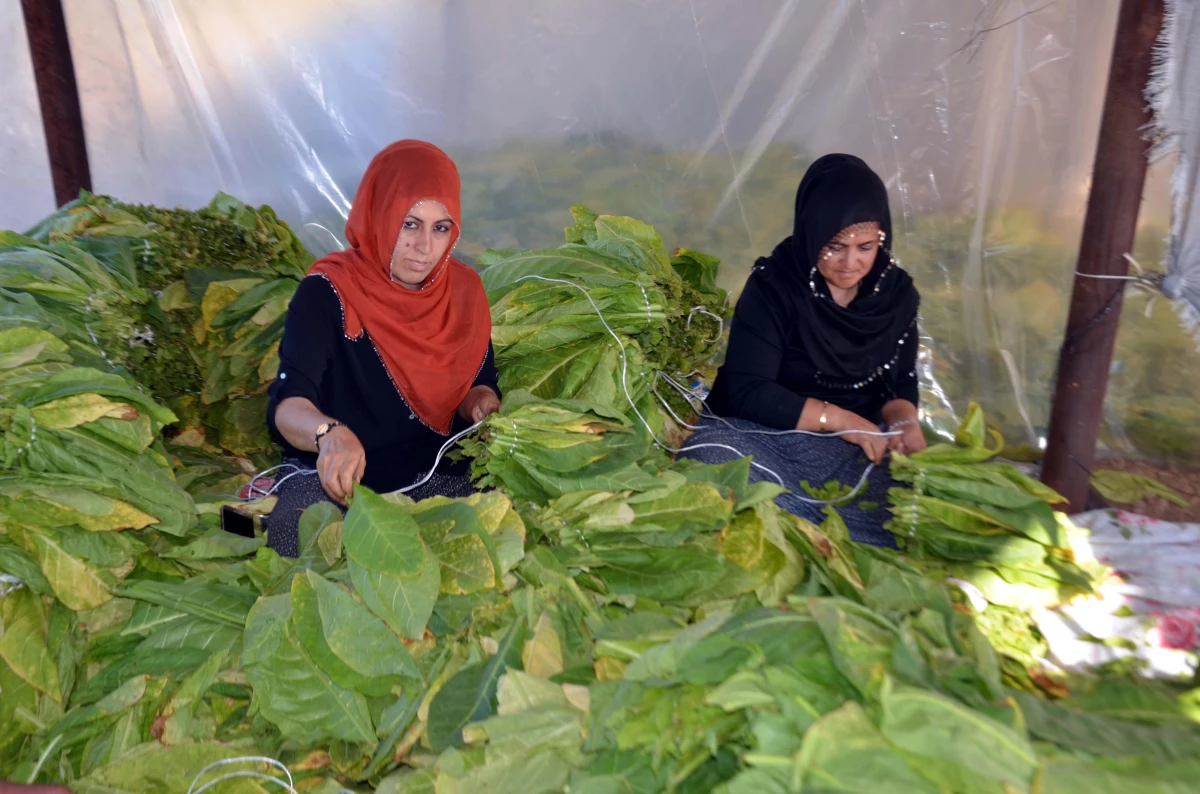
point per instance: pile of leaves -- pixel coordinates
(605, 620)
(597, 318)
(197, 300)
(985, 522)
(80, 460)
(689, 636)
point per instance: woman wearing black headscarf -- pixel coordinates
(824, 340)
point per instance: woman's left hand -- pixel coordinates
(480, 403)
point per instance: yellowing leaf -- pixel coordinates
(542, 655)
(75, 583)
(79, 409)
(220, 294)
(23, 642)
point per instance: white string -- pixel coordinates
(299, 471)
(453, 439)
(701, 310)
(290, 785)
(1148, 281)
(832, 434)
(262, 494)
(9, 584)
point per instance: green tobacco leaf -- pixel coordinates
(1104, 736)
(957, 746)
(973, 430)
(23, 642)
(169, 770)
(465, 549)
(844, 752)
(1126, 488)
(470, 696)
(381, 536)
(291, 689)
(213, 602)
(352, 645)
(660, 574)
(15, 561)
(74, 582)
(403, 602)
(860, 641)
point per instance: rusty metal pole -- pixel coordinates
(1118, 176)
(58, 95)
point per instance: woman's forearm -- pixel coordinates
(899, 411)
(297, 420)
(810, 416)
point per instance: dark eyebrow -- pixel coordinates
(418, 220)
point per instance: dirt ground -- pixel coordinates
(1186, 483)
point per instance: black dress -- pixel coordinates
(345, 379)
(768, 374)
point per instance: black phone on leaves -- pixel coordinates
(238, 522)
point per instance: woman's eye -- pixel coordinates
(410, 225)
(443, 228)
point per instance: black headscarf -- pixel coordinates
(848, 343)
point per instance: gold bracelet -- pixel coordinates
(824, 415)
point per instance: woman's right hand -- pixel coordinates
(341, 461)
(855, 430)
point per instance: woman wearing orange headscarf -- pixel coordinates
(386, 349)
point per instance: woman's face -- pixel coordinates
(847, 258)
(424, 237)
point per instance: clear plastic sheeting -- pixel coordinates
(27, 193)
(1175, 95)
(699, 116)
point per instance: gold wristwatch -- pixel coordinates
(323, 430)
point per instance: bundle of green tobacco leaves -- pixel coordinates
(85, 293)
(596, 318)
(984, 522)
(537, 450)
(205, 296)
(80, 459)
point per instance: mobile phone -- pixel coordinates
(237, 521)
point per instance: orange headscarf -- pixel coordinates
(432, 339)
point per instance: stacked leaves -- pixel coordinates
(984, 522)
(78, 463)
(207, 292)
(663, 311)
(538, 450)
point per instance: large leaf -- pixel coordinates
(168, 770)
(860, 641)
(23, 642)
(467, 552)
(470, 696)
(957, 746)
(352, 645)
(661, 574)
(74, 582)
(844, 752)
(291, 689)
(1099, 735)
(403, 602)
(213, 602)
(381, 536)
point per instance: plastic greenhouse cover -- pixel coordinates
(1175, 96)
(696, 115)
